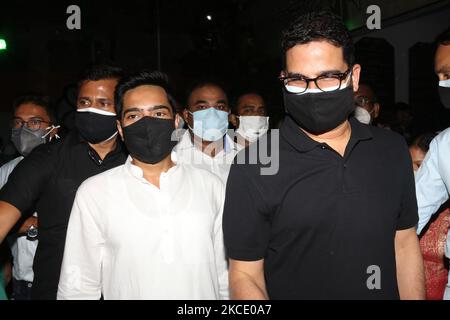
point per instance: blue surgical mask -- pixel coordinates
(210, 124)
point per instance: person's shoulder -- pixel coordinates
(443, 138)
(102, 180)
(204, 176)
(11, 164)
(386, 136)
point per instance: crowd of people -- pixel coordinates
(147, 197)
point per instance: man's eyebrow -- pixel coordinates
(444, 69)
(152, 108)
(204, 101)
(292, 74)
(200, 101)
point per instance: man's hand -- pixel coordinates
(31, 221)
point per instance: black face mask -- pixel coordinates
(321, 112)
(95, 127)
(149, 139)
(444, 93)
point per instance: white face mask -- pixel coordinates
(252, 127)
(362, 115)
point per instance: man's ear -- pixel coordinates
(234, 120)
(177, 121)
(119, 128)
(187, 117)
(355, 76)
(376, 110)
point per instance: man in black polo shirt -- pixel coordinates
(337, 221)
(49, 177)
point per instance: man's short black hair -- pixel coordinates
(319, 26)
(444, 38)
(36, 99)
(243, 93)
(203, 83)
(142, 78)
(101, 72)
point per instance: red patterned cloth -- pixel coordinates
(432, 245)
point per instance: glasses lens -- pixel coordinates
(328, 83)
(34, 124)
(295, 85)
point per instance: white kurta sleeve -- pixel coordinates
(431, 190)
(82, 263)
(219, 249)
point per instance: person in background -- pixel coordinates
(32, 125)
(432, 241)
(49, 177)
(367, 106)
(249, 118)
(206, 144)
(433, 176)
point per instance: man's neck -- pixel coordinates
(337, 138)
(105, 147)
(152, 172)
(210, 148)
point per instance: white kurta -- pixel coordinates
(128, 239)
(186, 152)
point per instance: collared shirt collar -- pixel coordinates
(291, 132)
(186, 143)
(94, 155)
(137, 172)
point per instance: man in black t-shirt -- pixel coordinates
(337, 221)
(50, 176)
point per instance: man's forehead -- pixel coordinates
(208, 92)
(442, 59)
(250, 99)
(103, 84)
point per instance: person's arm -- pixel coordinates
(430, 187)
(410, 270)
(9, 215)
(246, 227)
(219, 248)
(247, 280)
(80, 277)
(24, 186)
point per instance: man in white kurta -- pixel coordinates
(151, 228)
(130, 240)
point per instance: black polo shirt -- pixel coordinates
(323, 220)
(49, 178)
